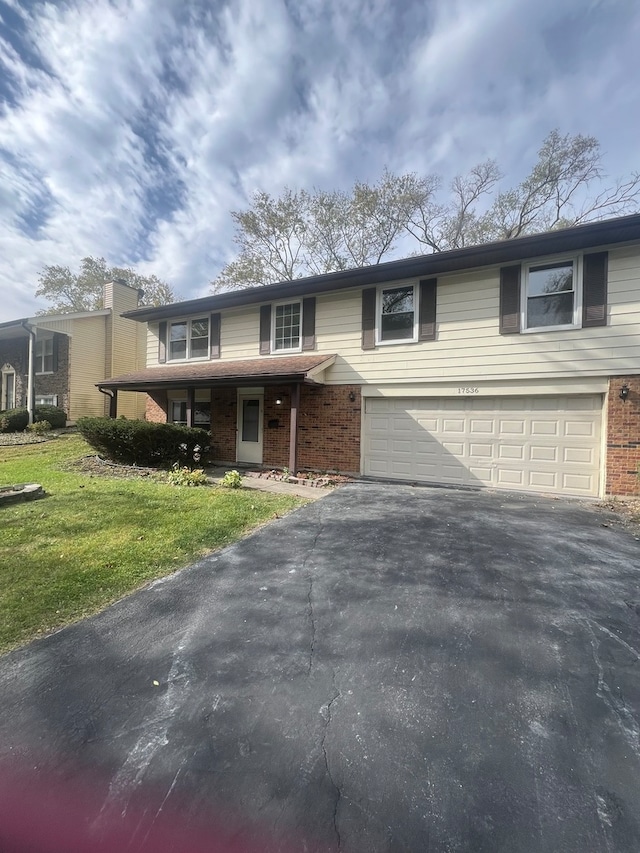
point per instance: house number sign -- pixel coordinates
(468, 389)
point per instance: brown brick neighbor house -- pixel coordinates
(72, 352)
(511, 365)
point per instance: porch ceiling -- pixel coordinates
(256, 371)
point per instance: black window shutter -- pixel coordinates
(594, 289)
(427, 310)
(369, 318)
(162, 342)
(54, 350)
(510, 300)
(309, 323)
(265, 329)
(214, 336)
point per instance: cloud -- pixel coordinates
(130, 128)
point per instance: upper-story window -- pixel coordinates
(189, 339)
(551, 298)
(44, 355)
(396, 320)
(286, 327)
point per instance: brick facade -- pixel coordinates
(328, 426)
(156, 409)
(15, 354)
(623, 438)
(58, 382)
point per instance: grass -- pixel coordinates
(94, 539)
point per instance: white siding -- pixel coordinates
(468, 347)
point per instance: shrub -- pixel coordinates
(142, 443)
(232, 480)
(56, 416)
(14, 420)
(38, 427)
(186, 477)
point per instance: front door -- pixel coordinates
(250, 414)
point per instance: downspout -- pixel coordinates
(112, 400)
(31, 372)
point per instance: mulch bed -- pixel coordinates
(96, 466)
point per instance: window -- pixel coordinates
(44, 356)
(396, 314)
(286, 327)
(189, 339)
(47, 400)
(8, 399)
(177, 413)
(550, 295)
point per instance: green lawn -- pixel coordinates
(94, 539)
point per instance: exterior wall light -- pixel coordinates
(624, 393)
(352, 396)
(278, 401)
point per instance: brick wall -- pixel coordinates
(58, 382)
(224, 413)
(329, 428)
(623, 438)
(16, 354)
(156, 409)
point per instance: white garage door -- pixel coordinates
(533, 444)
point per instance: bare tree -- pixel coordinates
(83, 291)
(304, 233)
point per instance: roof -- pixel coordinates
(255, 371)
(594, 234)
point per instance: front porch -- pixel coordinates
(266, 412)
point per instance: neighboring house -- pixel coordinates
(72, 352)
(511, 365)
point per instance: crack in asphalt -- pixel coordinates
(310, 610)
(338, 793)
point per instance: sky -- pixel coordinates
(130, 129)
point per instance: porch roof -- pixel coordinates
(247, 372)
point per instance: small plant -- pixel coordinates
(286, 474)
(232, 480)
(186, 477)
(39, 427)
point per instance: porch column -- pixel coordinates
(113, 404)
(191, 405)
(293, 430)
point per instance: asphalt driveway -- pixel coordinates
(389, 668)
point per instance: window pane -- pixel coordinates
(287, 326)
(396, 327)
(550, 278)
(555, 310)
(178, 349)
(199, 347)
(250, 415)
(399, 300)
(178, 331)
(179, 412)
(202, 414)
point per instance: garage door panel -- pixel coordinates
(511, 451)
(539, 453)
(524, 443)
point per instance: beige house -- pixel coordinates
(512, 365)
(71, 353)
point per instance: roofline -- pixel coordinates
(233, 381)
(9, 323)
(604, 232)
